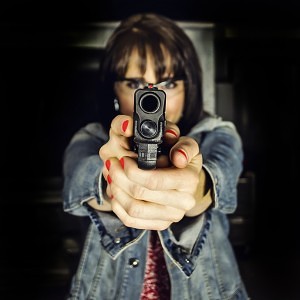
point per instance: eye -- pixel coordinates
(134, 84)
(171, 84)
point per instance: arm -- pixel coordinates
(82, 168)
(223, 160)
(222, 153)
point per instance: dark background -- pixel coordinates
(46, 91)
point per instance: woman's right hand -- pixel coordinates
(118, 144)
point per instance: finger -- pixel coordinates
(109, 193)
(136, 222)
(178, 200)
(122, 125)
(119, 144)
(116, 147)
(160, 179)
(107, 176)
(136, 213)
(145, 210)
(184, 152)
(172, 198)
(172, 133)
(108, 182)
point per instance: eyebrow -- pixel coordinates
(143, 80)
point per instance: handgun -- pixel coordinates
(149, 125)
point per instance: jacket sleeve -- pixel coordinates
(82, 167)
(223, 160)
(222, 150)
(221, 147)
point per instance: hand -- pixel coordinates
(119, 146)
(154, 199)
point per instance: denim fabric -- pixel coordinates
(199, 257)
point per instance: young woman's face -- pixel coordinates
(124, 89)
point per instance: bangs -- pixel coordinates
(145, 45)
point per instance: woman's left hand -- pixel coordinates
(154, 199)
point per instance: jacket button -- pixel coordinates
(117, 240)
(133, 262)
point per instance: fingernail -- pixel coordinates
(125, 125)
(109, 179)
(183, 153)
(122, 162)
(171, 132)
(107, 164)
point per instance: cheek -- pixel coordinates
(126, 106)
(174, 110)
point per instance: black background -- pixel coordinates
(45, 95)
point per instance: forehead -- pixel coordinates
(139, 65)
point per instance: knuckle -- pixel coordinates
(150, 180)
(137, 191)
(103, 152)
(134, 210)
(189, 203)
(192, 204)
(153, 182)
(128, 221)
(198, 160)
(176, 219)
(163, 226)
(194, 143)
(177, 215)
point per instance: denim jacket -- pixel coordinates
(198, 254)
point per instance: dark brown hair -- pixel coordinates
(149, 32)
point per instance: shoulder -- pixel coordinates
(211, 122)
(92, 130)
(213, 128)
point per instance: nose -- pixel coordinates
(149, 75)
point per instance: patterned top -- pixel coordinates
(156, 281)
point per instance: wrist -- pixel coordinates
(203, 195)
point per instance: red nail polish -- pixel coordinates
(125, 125)
(171, 132)
(107, 164)
(183, 153)
(109, 179)
(122, 162)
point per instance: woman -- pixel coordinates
(163, 233)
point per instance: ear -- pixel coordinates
(116, 104)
